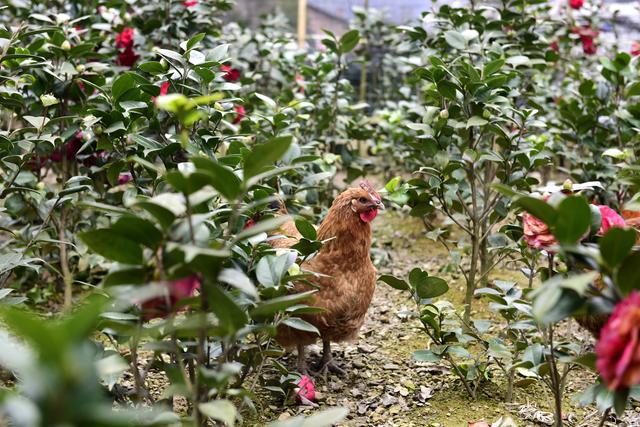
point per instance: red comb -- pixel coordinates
(366, 185)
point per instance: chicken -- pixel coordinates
(347, 276)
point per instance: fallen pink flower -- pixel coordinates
(306, 390)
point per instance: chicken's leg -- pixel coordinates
(326, 363)
(302, 363)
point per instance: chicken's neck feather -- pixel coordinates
(351, 237)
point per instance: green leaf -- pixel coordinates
(270, 307)
(587, 360)
(417, 277)
(633, 89)
(195, 40)
(239, 280)
(426, 356)
(573, 220)
(455, 39)
(394, 282)
(231, 317)
(431, 288)
(628, 276)
(301, 325)
(325, 418)
(113, 246)
(268, 101)
(539, 209)
(220, 177)
(220, 410)
(492, 67)
(349, 40)
(476, 121)
(121, 85)
(152, 67)
(518, 60)
(447, 89)
(272, 268)
(555, 303)
(139, 230)
(620, 401)
(263, 226)
(266, 154)
(616, 244)
(305, 228)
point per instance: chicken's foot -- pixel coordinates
(302, 363)
(327, 364)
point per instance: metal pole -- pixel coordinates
(302, 22)
(365, 59)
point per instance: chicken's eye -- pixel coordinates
(362, 200)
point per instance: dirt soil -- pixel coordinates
(386, 387)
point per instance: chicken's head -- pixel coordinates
(365, 201)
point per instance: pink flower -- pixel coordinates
(124, 177)
(587, 37)
(576, 4)
(240, 113)
(164, 89)
(618, 349)
(554, 46)
(69, 149)
(127, 58)
(306, 390)
(231, 74)
(190, 3)
(125, 38)
(177, 290)
(635, 48)
(536, 232)
(610, 218)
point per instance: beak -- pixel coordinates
(377, 205)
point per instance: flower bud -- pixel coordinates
(444, 114)
(98, 130)
(40, 186)
(80, 68)
(567, 185)
(65, 45)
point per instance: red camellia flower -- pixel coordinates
(69, 149)
(231, 74)
(164, 89)
(127, 58)
(587, 37)
(124, 177)
(190, 3)
(576, 4)
(618, 349)
(306, 390)
(124, 40)
(240, 113)
(536, 232)
(177, 290)
(554, 46)
(635, 48)
(610, 218)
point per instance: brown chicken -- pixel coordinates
(348, 277)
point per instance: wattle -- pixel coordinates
(369, 215)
